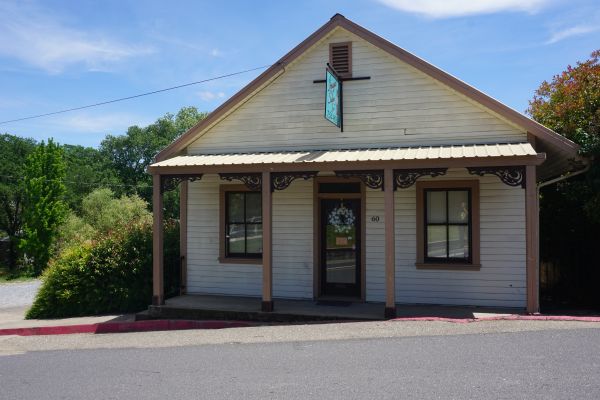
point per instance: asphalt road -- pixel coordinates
(542, 364)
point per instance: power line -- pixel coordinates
(134, 96)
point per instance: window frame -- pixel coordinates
(224, 257)
(424, 262)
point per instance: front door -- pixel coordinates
(340, 247)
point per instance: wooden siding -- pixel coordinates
(398, 106)
(375, 246)
(205, 273)
(292, 244)
(501, 280)
(293, 241)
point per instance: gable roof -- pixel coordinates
(338, 20)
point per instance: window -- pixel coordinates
(241, 231)
(448, 224)
(340, 58)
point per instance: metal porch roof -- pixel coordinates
(382, 154)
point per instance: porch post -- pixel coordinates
(183, 199)
(390, 244)
(267, 253)
(158, 297)
(532, 234)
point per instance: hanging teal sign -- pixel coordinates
(333, 98)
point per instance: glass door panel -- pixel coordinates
(340, 246)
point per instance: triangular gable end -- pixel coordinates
(329, 29)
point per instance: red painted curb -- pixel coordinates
(504, 318)
(122, 327)
(168, 325)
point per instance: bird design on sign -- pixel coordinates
(333, 94)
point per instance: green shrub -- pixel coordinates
(112, 274)
(74, 231)
(103, 212)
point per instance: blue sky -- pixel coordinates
(63, 54)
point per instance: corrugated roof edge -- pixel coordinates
(489, 102)
(490, 150)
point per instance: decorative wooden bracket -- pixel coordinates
(405, 178)
(170, 182)
(281, 180)
(252, 181)
(371, 178)
(511, 176)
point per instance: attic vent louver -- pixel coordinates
(340, 58)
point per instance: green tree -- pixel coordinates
(86, 169)
(570, 105)
(13, 153)
(570, 210)
(130, 154)
(571, 100)
(44, 208)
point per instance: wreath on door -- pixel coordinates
(342, 219)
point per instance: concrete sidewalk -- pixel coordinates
(12, 322)
(227, 312)
(17, 297)
(14, 317)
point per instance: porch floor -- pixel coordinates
(285, 310)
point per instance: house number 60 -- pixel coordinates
(375, 218)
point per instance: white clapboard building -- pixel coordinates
(390, 181)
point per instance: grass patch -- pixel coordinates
(7, 276)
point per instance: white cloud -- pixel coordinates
(37, 38)
(209, 96)
(459, 8)
(573, 31)
(105, 123)
(216, 53)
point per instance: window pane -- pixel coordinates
(254, 239)
(235, 238)
(253, 207)
(459, 241)
(235, 204)
(458, 206)
(436, 241)
(436, 207)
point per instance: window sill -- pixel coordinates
(449, 267)
(254, 261)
